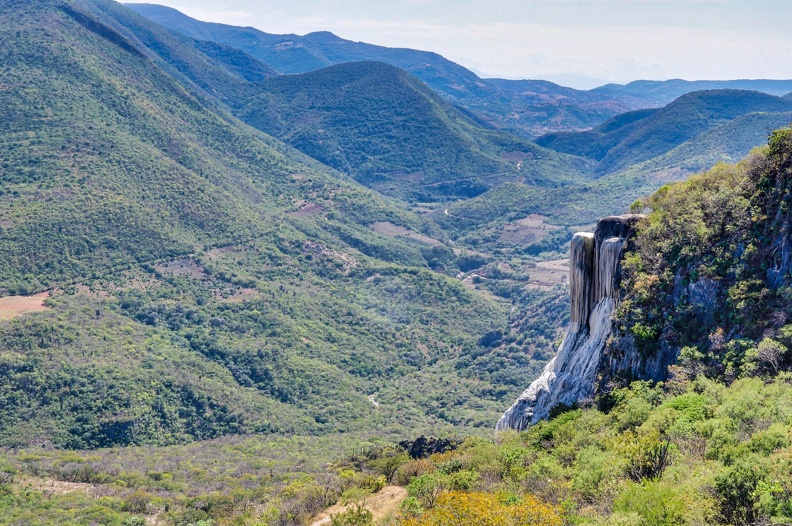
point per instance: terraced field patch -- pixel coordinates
(14, 306)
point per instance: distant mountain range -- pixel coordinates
(663, 92)
(527, 107)
(633, 154)
(641, 135)
(632, 151)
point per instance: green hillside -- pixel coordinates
(225, 315)
(207, 279)
(730, 142)
(640, 136)
(596, 143)
(390, 132)
(636, 153)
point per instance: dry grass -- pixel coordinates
(308, 210)
(14, 306)
(58, 487)
(186, 267)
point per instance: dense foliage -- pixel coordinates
(709, 272)
(208, 280)
(690, 452)
(390, 132)
(227, 315)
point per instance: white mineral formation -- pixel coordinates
(594, 287)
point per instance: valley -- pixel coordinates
(239, 268)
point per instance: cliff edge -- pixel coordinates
(571, 376)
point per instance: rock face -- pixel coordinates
(571, 376)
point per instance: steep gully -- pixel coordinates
(582, 358)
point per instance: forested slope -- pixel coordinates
(206, 279)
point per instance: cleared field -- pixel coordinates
(547, 274)
(389, 229)
(527, 231)
(13, 306)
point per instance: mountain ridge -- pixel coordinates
(529, 108)
(412, 143)
(640, 136)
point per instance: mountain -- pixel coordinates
(639, 136)
(729, 142)
(454, 156)
(662, 92)
(528, 108)
(290, 54)
(220, 318)
(206, 279)
(390, 132)
(635, 154)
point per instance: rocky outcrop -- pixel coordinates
(571, 376)
(424, 447)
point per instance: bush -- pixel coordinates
(655, 502)
(138, 501)
(458, 508)
(737, 490)
(357, 516)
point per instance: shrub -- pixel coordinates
(459, 508)
(737, 491)
(357, 516)
(655, 502)
(137, 502)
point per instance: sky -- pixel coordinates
(579, 43)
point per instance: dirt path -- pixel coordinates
(380, 505)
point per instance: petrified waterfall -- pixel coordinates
(594, 289)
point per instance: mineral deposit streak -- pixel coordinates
(594, 293)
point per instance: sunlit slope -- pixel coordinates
(388, 130)
(207, 279)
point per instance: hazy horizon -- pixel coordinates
(588, 42)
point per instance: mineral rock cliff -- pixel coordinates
(594, 279)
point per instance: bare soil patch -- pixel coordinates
(95, 491)
(548, 274)
(186, 267)
(240, 296)
(310, 209)
(470, 283)
(14, 306)
(380, 505)
(527, 231)
(59, 487)
(389, 229)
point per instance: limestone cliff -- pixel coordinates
(571, 376)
